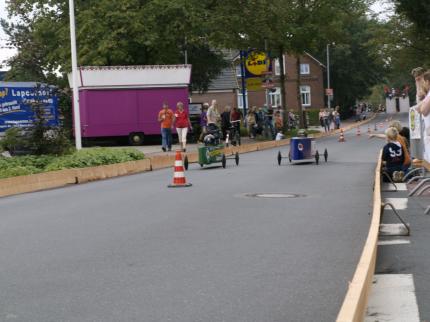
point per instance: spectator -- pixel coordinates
(269, 122)
(182, 122)
(337, 117)
(203, 121)
(424, 109)
(225, 121)
(235, 118)
(212, 113)
(279, 123)
(330, 119)
(321, 118)
(392, 155)
(251, 121)
(326, 121)
(166, 119)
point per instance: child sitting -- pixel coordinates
(393, 155)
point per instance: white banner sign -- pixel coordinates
(414, 123)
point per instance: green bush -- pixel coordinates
(313, 117)
(30, 164)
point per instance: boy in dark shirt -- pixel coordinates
(392, 155)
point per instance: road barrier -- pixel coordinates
(355, 303)
(56, 179)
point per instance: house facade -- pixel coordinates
(226, 89)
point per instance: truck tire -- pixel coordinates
(135, 138)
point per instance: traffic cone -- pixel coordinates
(341, 137)
(179, 173)
(358, 131)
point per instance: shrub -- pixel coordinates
(30, 164)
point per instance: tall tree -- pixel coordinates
(112, 32)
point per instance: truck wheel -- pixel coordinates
(135, 138)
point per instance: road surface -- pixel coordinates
(130, 249)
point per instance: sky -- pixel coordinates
(379, 7)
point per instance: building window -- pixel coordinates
(238, 70)
(277, 67)
(305, 92)
(305, 69)
(275, 97)
(240, 100)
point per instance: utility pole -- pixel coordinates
(328, 75)
(76, 111)
(267, 70)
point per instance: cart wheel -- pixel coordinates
(186, 163)
(279, 157)
(223, 161)
(289, 156)
(317, 157)
(325, 155)
(236, 158)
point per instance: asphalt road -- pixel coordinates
(130, 249)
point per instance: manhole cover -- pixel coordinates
(274, 195)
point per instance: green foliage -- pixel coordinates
(23, 165)
(313, 116)
(111, 32)
(11, 140)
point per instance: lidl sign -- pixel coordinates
(257, 64)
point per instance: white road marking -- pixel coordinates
(400, 186)
(386, 242)
(392, 230)
(393, 299)
(398, 203)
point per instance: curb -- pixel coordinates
(355, 303)
(56, 179)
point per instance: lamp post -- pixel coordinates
(328, 76)
(76, 111)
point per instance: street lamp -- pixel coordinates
(76, 111)
(328, 74)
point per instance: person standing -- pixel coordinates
(212, 113)
(203, 121)
(225, 121)
(326, 121)
(166, 119)
(321, 118)
(183, 123)
(337, 117)
(251, 122)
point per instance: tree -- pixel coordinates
(111, 32)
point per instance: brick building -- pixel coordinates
(226, 88)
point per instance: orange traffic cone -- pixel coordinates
(341, 137)
(179, 173)
(358, 131)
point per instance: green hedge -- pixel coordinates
(313, 117)
(24, 165)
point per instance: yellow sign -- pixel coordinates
(257, 63)
(254, 84)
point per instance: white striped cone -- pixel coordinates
(179, 173)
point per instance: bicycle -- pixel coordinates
(233, 133)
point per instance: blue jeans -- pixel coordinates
(166, 138)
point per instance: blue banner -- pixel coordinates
(16, 101)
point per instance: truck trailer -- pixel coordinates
(124, 101)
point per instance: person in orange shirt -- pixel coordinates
(166, 119)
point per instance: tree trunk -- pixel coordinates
(282, 83)
(299, 94)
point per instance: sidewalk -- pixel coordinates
(401, 289)
(155, 150)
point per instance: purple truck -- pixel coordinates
(125, 100)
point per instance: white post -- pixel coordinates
(76, 111)
(328, 75)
